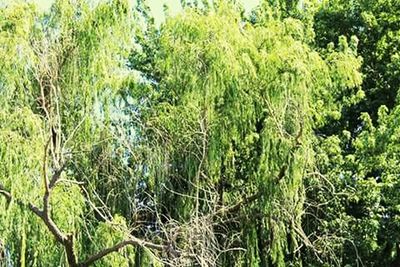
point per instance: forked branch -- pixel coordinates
(67, 241)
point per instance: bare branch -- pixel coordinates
(237, 206)
(56, 176)
(5, 193)
(20, 203)
(132, 242)
(64, 239)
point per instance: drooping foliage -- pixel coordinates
(230, 112)
(56, 71)
(213, 139)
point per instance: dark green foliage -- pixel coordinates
(359, 220)
(376, 25)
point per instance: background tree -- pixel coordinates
(358, 219)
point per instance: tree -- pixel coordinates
(57, 71)
(191, 144)
(358, 220)
(376, 25)
(228, 110)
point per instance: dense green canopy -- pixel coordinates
(214, 139)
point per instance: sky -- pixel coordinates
(174, 7)
(156, 6)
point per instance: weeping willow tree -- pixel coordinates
(58, 71)
(228, 108)
(194, 156)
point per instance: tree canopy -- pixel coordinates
(217, 138)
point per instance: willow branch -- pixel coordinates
(5, 193)
(46, 180)
(239, 205)
(56, 176)
(65, 240)
(130, 242)
(19, 202)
